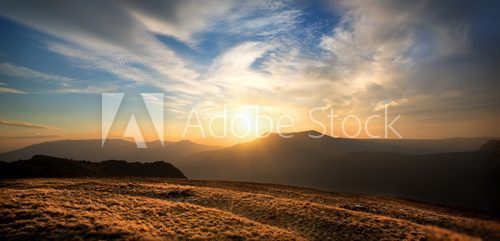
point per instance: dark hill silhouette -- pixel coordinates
(47, 166)
(466, 179)
(92, 150)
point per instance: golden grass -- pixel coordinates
(168, 209)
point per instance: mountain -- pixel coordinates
(47, 166)
(492, 146)
(274, 154)
(92, 150)
(430, 146)
(462, 178)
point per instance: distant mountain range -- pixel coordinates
(116, 149)
(47, 166)
(467, 177)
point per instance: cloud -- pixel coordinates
(412, 50)
(10, 90)
(386, 104)
(424, 56)
(175, 18)
(57, 83)
(24, 124)
(20, 71)
(233, 67)
(121, 38)
(34, 136)
(102, 31)
(89, 89)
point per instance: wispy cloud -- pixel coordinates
(34, 136)
(10, 90)
(111, 40)
(25, 124)
(131, 50)
(175, 18)
(58, 83)
(393, 103)
(20, 71)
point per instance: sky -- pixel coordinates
(432, 63)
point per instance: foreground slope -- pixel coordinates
(180, 209)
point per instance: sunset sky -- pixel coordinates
(434, 63)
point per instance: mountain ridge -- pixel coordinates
(93, 150)
(41, 166)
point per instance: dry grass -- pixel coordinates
(166, 209)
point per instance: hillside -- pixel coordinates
(46, 166)
(465, 179)
(92, 150)
(179, 209)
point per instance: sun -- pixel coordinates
(244, 122)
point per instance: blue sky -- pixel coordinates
(432, 61)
